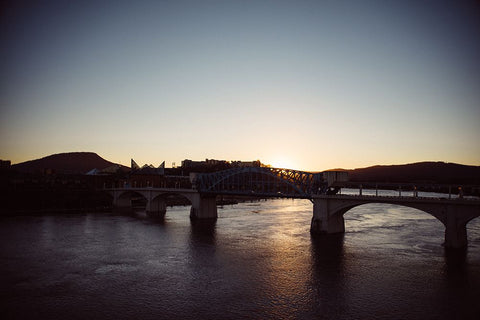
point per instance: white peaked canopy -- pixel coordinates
(148, 168)
(134, 165)
(93, 172)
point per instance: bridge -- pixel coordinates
(321, 188)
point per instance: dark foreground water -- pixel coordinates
(258, 261)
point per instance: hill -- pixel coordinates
(420, 172)
(69, 163)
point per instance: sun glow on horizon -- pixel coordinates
(283, 162)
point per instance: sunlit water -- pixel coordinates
(257, 261)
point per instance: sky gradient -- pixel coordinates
(309, 85)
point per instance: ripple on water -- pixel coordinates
(116, 268)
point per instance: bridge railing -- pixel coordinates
(411, 190)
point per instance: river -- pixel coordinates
(257, 261)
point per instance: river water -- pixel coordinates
(257, 261)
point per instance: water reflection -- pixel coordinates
(460, 284)
(455, 270)
(455, 260)
(203, 231)
(328, 275)
(328, 250)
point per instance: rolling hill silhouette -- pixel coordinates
(68, 163)
(426, 172)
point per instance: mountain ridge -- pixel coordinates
(426, 171)
(68, 163)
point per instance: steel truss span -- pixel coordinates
(261, 182)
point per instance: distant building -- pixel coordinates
(246, 164)
(213, 162)
(208, 163)
(191, 164)
(5, 164)
(333, 176)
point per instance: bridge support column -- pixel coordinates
(324, 221)
(156, 207)
(203, 207)
(455, 230)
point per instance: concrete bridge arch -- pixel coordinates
(328, 213)
(122, 200)
(202, 206)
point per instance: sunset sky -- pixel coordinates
(308, 85)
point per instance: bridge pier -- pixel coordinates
(156, 207)
(324, 221)
(455, 229)
(203, 207)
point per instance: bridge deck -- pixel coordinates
(371, 198)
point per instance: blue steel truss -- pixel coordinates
(261, 182)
